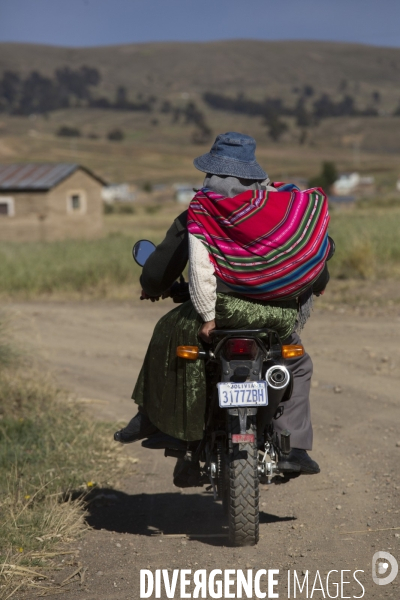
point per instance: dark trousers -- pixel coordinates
(297, 413)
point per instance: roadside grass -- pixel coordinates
(51, 457)
(100, 268)
(70, 267)
(366, 242)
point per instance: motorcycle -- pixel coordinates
(247, 385)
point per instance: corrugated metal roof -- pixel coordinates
(36, 176)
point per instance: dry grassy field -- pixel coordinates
(163, 153)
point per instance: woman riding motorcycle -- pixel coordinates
(170, 392)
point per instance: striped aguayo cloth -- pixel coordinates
(264, 245)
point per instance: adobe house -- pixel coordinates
(46, 202)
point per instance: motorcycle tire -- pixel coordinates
(243, 490)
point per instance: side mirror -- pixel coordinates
(142, 250)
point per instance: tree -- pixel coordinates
(324, 107)
(202, 134)
(121, 97)
(303, 137)
(376, 97)
(90, 75)
(77, 82)
(193, 114)
(40, 95)
(326, 177)
(308, 91)
(346, 107)
(166, 107)
(303, 117)
(276, 127)
(9, 87)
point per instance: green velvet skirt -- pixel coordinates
(173, 390)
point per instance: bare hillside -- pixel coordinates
(257, 68)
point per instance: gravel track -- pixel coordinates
(96, 349)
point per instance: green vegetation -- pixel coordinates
(90, 267)
(366, 241)
(66, 131)
(326, 178)
(51, 456)
(115, 135)
(367, 244)
(119, 208)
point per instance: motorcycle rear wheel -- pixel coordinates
(242, 495)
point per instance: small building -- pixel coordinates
(49, 202)
(184, 192)
(117, 192)
(353, 183)
(346, 184)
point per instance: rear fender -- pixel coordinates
(254, 367)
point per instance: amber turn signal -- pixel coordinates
(292, 351)
(189, 352)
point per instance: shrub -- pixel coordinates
(121, 208)
(151, 210)
(108, 208)
(147, 187)
(115, 135)
(66, 131)
(126, 209)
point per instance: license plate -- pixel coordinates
(249, 393)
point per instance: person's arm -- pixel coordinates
(202, 285)
(168, 260)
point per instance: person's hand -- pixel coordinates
(205, 330)
(144, 296)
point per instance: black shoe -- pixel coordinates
(298, 461)
(138, 428)
(187, 474)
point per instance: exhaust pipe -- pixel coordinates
(278, 377)
(278, 380)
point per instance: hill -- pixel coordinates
(257, 68)
(158, 144)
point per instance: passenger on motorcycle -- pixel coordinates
(170, 392)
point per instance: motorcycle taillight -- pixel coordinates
(237, 348)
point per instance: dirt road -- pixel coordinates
(96, 351)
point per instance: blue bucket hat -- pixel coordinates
(232, 154)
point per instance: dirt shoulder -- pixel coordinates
(96, 350)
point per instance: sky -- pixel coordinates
(105, 22)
